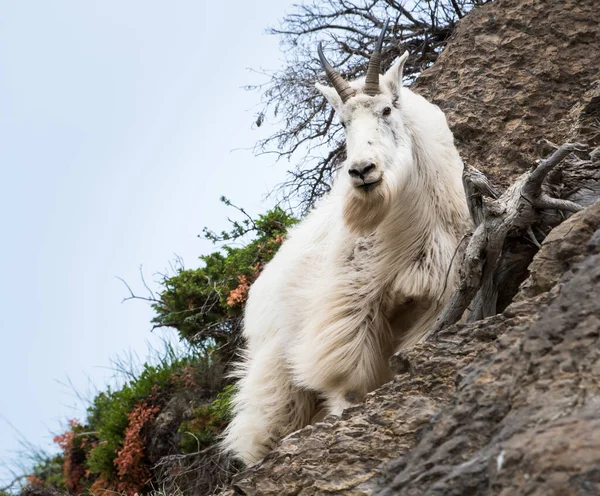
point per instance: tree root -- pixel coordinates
(495, 218)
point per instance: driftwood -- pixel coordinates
(495, 218)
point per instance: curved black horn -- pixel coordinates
(372, 80)
(336, 79)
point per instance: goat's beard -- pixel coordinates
(365, 210)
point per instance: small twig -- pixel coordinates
(133, 296)
(465, 236)
(532, 237)
(14, 482)
(459, 13)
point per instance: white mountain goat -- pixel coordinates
(363, 275)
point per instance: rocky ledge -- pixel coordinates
(508, 405)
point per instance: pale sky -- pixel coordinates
(117, 125)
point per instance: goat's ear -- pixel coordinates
(331, 94)
(392, 79)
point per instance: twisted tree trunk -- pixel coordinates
(513, 213)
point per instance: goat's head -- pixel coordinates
(379, 158)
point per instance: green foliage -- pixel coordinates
(208, 422)
(108, 414)
(211, 298)
(107, 452)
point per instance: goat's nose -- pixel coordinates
(361, 170)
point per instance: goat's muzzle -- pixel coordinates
(365, 175)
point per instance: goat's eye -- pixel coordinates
(343, 124)
(387, 111)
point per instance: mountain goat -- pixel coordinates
(363, 275)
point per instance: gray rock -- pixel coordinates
(525, 420)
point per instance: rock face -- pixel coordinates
(526, 419)
(560, 251)
(511, 404)
(39, 491)
(513, 75)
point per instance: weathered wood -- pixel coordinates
(496, 218)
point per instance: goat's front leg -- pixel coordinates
(344, 355)
(266, 405)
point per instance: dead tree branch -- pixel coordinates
(512, 213)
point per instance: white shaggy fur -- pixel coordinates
(362, 276)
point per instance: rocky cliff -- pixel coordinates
(510, 404)
(514, 76)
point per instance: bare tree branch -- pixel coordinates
(308, 133)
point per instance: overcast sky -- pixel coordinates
(117, 125)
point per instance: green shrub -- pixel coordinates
(108, 415)
(107, 452)
(205, 303)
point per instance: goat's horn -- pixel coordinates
(372, 80)
(341, 86)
